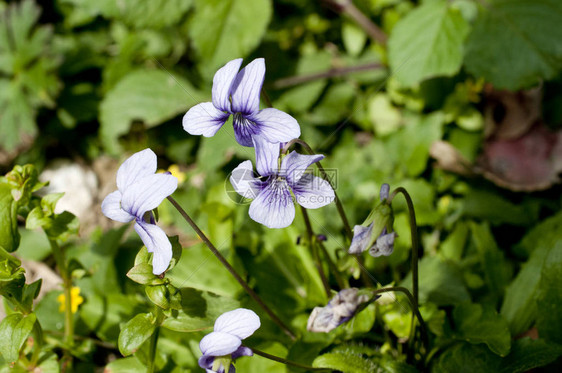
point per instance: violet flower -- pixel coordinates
(140, 190)
(273, 204)
(224, 345)
(237, 93)
(383, 243)
(339, 309)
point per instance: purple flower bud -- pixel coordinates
(226, 339)
(340, 309)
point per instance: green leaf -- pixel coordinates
(9, 235)
(127, 365)
(441, 282)
(142, 274)
(481, 324)
(527, 353)
(135, 332)
(199, 310)
(345, 361)
(150, 96)
(427, 43)
(525, 47)
(549, 298)
(236, 29)
(155, 13)
(14, 331)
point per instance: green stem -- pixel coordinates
(314, 249)
(339, 205)
(286, 362)
(413, 305)
(38, 343)
(343, 283)
(68, 317)
(415, 239)
(232, 271)
(152, 350)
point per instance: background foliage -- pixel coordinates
(458, 102)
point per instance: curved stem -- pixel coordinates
(413, 305)
(286, 362)
(232, 271)
(414, 235)
(314, 249)
(339, 205)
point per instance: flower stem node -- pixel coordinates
(340, 309)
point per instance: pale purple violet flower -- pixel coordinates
(226, 340)
(140, 190)
(362, 235)
(339, 309)
(273, 205)
(237, 93)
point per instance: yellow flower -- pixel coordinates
(176, 172)
(75, 300)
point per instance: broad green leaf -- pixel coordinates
(465, 357)
(142, 274)
(440, 282)
(199, 311)
(126, 365)
(347, 362)
(9, 235)
(14, 331)
(549, 297)
(155, 13)
(428, 42)
(481, 324)
(135, 332)
(516, 43)
(496, 270)
(527, 353)
(149, 96)
(496, 209)
(546, 234)
(452, 247)
(236, 28)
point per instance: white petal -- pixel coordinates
(247, 87)
(294, 165)
(137, 166)
(244, 182)
(312, 192)
(361, 238)
(147, 193)
(274, 206)
(111, 207)
(222, 84)
(267, 156)
(219, 344)
(275, 125)
(157, 243)
(204, 119)
(240, 322)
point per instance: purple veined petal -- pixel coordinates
(222, 84)
(206, 362)
(276, 125)
(361, 238)
(157, 243)
(385, 191)
(204, 119)
(274, 206)
(137, 166)
(240, 322)
(244, 181)
(312, 192)
(246, 88)
(244, 129)
(111, 207)
(294, 165)
(147, 193)
(384, 245)
(242, 351)
(219, 344)
(267, 156)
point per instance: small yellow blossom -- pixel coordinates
(75, 300)
(177, 173)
